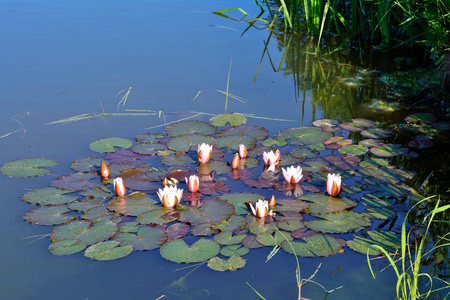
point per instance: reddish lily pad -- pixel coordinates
(190, 127)
(177, 231)
(345, 162)
(212, 188)
(77, 181)
(109, 250)
(147, 238)
(388, 150)
(136, 179)
(109, 144)
(48, 215)
(185, 142)
(178, 251)
(27, 167)
(421, 142)
(376, 133)
(125, 156)
(203, 229)
(48, 195)
(251, 242)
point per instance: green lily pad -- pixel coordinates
(270, 142)
(346, 221)
(312, 139)
(48, 195)
(239, 201)
(130, 227)
(388, 150)
(373, 163)
(100, 214)
(377, 202)
(233, 141)
(147, 238)
(190, 127)
(421, 118)
(86, 164)
(184, 142)
(376, 133)
(289, 224)
(257, 132)
(84, 232)
(213, 210)
(66, 247)
(97, 192)
(297, 132)
(147, 148)
(270, 239)
(325, 123)
(350, 126)
(203, 229)
(227, 238)
(258, 226)
(234, 250)
(148, 137)
(379, 213)
(353, 150)
(27, 167)
(132, 205)
(158, 215)
(48, 215)
(178, 159)
(313, 246)
(109, 250)
(363, 123)
(371, 143)
(178, 251)
(77, 181)
(219, 167)
(233, 263)
(323, 204)
(231, 224)
(303, 153)
(108, 144)
(389, 240)
(233, 119)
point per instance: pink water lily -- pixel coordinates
(170, 196)
(242, 151)
(119, 186)
(261, 209)
(193, 183)
(292, 174)
(271, 159)
(334, 184)
(204, 153)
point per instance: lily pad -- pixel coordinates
(257, 132)
(27, 167)
(147, 148)
(379, 213)
(132, 205)
(48, 215)
(231, 224)
(325, 123)
(109, 250)
(158, 215)
(233, 119)
(185, 142)
(376, 133)
(322, 204)
(342, 222)
(312, 139)
(270, 142)
(190, 127)
(303, 153)
(77, 181)
(86, 164)
(66, 247)
(239, 201)
(109, 144)
(371, 143)
(350, 126)
(270, 239)
(84, 232)
(177, 231)
(353, 150)
(421, 142)
(178, 159)
(48, 195)
(234, 250)
(297, 132)
(388, 150)
(147, 238)
(213, 210)
(233, 141)
(219, 167)
(363, 123)
(148, 137)
(178, 251)
(233, 263)
(389, 240)
(421, 118)
(136, 179)
(313, 246)
(227, 238)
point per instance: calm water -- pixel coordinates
(60, 59)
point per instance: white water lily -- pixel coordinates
(271, 159)
(291, 174)
(170, 196)
(261, 209)
(334, 184)
(204, 153)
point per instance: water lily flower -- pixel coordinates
(193, 183)
(261, 209)
(119, 186)
(104, 170)
(242, 151)
(235, 162)
(170, 196)
(204, 153)
(334, 184)
(271, 159)
(292, 175)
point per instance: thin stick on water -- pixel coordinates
(198, 93)
(228, 85)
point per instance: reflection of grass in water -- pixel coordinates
(180, 281)
(300, 282)
(408, 276)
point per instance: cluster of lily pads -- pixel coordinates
(211, 219)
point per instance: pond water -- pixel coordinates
(62, 59)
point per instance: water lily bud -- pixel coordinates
(235, 162)
(104, 170)
(242, 151)
(204, 153)
(334, 184)
(272, 201)
(119, 186)
(193, 183)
